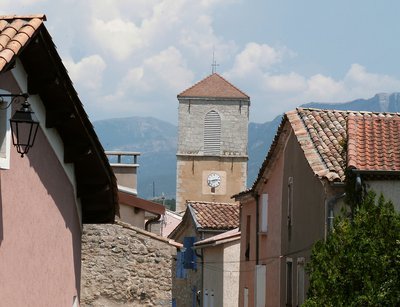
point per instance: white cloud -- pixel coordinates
(88, 72)
(119, 37)
(292, 82)
(255, 59)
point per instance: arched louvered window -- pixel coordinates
(212, 133)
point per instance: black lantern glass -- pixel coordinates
(24, 126)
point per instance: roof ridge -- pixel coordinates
(231, 84)
(203, 86)
(348, 112)
(31, 16)
(190, 202)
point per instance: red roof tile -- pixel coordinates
(15, 32)
(214, 86)
(216, 216)
(374, 143)
(327, 134)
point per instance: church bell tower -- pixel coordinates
(212, 142)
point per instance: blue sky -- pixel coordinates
(132, 57)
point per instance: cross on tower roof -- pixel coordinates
(214, 65)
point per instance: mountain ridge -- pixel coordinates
(156, 140)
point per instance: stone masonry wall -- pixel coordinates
(125, 266)
(234, 125)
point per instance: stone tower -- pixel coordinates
(212, 142)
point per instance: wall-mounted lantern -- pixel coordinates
(24, 124)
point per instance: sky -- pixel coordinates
(133, 57)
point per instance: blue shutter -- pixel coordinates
(180, 271)
(190, 256)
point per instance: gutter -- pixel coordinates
(377, 172)
(215, 243)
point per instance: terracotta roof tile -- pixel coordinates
(368, 136)
(15, 32)
(374, 143)
(216, 216)
(369, 140)
(214, 86)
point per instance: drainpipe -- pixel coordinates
(330, 207)
(256, 196)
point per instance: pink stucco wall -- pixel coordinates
(39, 231)
(246, 278)
(269, 243)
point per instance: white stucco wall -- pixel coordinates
(221, 274)
(389, 188)
(231, 273)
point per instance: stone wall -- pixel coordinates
(234, 125)
(125, 266)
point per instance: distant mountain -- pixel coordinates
(382, 102)
(156, 141)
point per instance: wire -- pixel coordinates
(8, 105)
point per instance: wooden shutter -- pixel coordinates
(212, 133)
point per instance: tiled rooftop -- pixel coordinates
(372, 139)
(15, 32)
(333, 141)
(217, 216)
(214, 86)
(374, 143)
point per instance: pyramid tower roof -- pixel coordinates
(214, 86)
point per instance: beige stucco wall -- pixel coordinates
(192, 172)
(131, 215)
(126, 174)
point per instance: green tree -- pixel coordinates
(359, 263)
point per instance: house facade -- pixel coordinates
(65, 179)
(201, 221)
(301, 186)
(221, 262)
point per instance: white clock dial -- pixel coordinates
(213, 180)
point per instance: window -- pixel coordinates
(300, 281)
(247, 251)
(264, 213)
(5, 133)
(289, 281)
(261, 276)
(212, 133)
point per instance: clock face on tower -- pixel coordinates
(213, 180)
